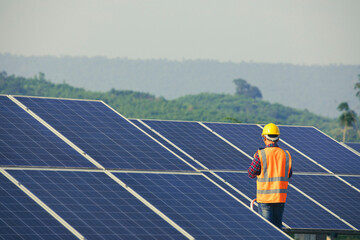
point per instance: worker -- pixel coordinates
(272, 167)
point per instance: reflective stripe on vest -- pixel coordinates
(275, 187)
(271, 191)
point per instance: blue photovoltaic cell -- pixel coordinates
(355, 146)
(22, 218)
(248, 138)
(165, 143)
(95, 205)
(244, 198)
(200, 207)
(334, 194)
(26, 142)
(201, 144)
(353, 180)
(103, 134)
(321, 149)
(300, 212)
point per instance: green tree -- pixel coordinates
(232, 120)
(357, 86)
(347, 118)
(245, 89)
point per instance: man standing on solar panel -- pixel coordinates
(272, 167)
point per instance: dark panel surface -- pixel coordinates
(322, 149)
(104, 135)
(248, 138)
(353, 180)
(333, 194)
(26, 142)
(165, 143)
(23, 218)
(96, 206)
(201, 144)
(200, 207)
(300, 212)
(355, 146)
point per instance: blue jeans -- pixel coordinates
(272, 212)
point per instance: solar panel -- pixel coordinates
(165, 143)
(215, 177)
(98, 207)
(322, 149)
(201, 144)
(22, 218)
(95, 205)
(26, 142)
(333, 194)
(355, 146)
(300, 212)
(248, 138)
(352, 180)
(199, 206)
(103, 134)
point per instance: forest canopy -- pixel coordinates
(211, 107)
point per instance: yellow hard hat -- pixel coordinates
(270, 129)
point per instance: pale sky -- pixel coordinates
(272, 31)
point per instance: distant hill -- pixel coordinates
(200, 107)
(319, 89)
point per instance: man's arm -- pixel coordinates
(255, 167)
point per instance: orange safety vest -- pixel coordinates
(273, 180)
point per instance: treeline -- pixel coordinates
(316, 88)
(200, 107)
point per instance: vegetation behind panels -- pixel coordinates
(244, 106)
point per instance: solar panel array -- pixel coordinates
(301, 212)
(248, 138)
(26, 142)
(103, 134)
(354, 146)
(321, 148)
(78, 169)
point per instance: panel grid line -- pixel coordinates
(42, 204)
(62, 137)
(209, 179)
(289, 183)
(356, 152)
(301, 153)
(110, 172)
(225, 140)
(307, 157)
(241, 193)
(207, 169)
(302, 213)
(151, 137)
(320, 165)
(350, 148)
(110, 175)
(175, 146)
(149, 205)
(325, 208)
(103, 168)
(55, 169)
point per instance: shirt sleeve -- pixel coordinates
(255, 167)
(290, 172)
